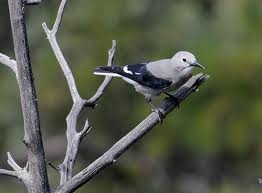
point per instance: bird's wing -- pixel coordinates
(139, 74)
(135, 72)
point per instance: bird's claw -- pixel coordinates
(176, 99)
(160, 113)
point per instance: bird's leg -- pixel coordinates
(155, 109)
(173, 98)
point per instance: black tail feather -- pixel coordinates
(112, 69)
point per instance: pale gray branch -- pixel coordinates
(85, 130)
(19, 173)
(73, 137)
(12, 162)
(73, 141)
(32, 2)
(8, 173)
(51, 35)
(132, 137)
(59, 16)
(63, 63)
(8, 62)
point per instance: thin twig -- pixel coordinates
(85, 130)
(51, 35)
(131, 138)
(12, 162)
(8, 173)
(59, 16)
(32, 2)
(63, 63)
(4, 59)
(92, 101)
(18, 172)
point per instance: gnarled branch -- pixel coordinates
(73, 137)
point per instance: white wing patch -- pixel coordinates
(126, 70)
(107, 74)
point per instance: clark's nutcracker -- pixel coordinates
(154, 78)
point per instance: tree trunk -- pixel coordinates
(38, 181)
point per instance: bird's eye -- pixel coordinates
(184, 59)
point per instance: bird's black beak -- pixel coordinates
(196, 64)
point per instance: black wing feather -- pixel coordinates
(139, 74)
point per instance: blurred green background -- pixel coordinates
(212, 144)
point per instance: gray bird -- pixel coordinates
(155, 78)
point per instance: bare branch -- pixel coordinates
(8, 62)
(63, 63)
(92, 101)
(85, 130)
(8, 173)
(20, 173)
(59, 16)
(73, 141)
(12, 162)
(32, 2)
(132, 137)
(51, 35)
(73, 137)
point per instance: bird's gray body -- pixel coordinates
(153, 78)
(162, 69)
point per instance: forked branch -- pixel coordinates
(73, 137)
(18, 172)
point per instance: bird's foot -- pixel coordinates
(160, 113)
(176, 99)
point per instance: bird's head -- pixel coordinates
(185, 60)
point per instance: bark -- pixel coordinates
(37, 174)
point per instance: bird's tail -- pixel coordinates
(108, 71)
